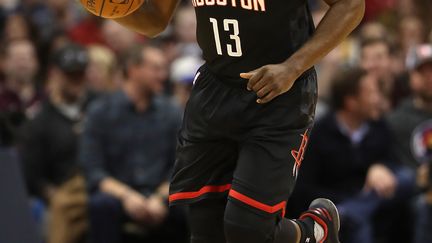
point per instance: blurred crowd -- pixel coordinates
(92, 111)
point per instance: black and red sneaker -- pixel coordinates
(323, 212)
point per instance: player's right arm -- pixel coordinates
(151, 18)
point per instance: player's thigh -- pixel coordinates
(266, 171)
(202, 170)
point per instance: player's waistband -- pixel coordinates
(227, 80)
(239, 82)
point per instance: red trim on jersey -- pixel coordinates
(258, 205)
(202, 191)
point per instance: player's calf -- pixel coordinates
(320, 224)
(244, 225)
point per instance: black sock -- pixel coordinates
(307, 230)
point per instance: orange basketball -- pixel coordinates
(112, 9)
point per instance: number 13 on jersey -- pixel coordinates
(231, 26)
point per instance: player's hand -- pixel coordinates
(270, 81)
(135, 206)
(382, 180)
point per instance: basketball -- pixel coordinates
(111, 9)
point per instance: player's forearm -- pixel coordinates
(340, 20)
(152, 18)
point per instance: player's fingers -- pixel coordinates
(267, 98)
(263, 91)
(249, 74)
(246, 75)
(260, 84)
(257, 78)
(254, 79)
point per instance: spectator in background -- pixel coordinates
(179, 39)
(3, 17)
(127, 152)
(88, 31)
(48, 147)
(374, 8)
(414, 110)
(326, 70)
(430, 37)
(19, 94)
(373, 30)
(349, 159)
(424, 10)
(117, 37)
(102, 73)
(41, 16)
(17, 27)
(21, 69)
(412, 125)
(183, 75)
(66, 12)
(412, 33)
(376, 59)
(185, 32)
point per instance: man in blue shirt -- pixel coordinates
(128, 149)
(411, 123)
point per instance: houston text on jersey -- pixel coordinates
(255, 5)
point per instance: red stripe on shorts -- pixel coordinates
(258, 205)
(196, 194)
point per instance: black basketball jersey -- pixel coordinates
(241, 35)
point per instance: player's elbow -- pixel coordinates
(149, 32)
(153, 30)
(150, 27)
(156, 30)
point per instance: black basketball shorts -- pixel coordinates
(229, 145)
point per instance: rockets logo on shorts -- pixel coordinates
(298, 155)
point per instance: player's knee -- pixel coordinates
(243, 225)
(206, 219)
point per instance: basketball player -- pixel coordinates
(249, 116)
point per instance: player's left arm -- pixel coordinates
(340, 20)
